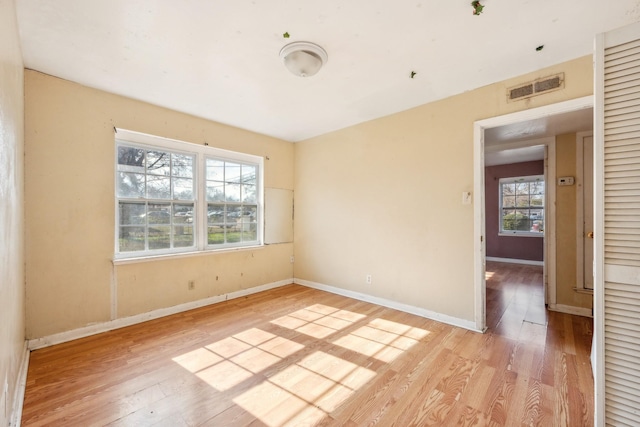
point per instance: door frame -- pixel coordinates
(580, 250)
(479, 127)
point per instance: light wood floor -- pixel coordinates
(302, 357)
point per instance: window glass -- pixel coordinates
(522, 205)
(157, 193)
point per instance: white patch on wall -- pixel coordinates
(278, 215)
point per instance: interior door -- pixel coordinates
(617, 227)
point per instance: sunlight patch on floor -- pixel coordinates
(275, 406)
(303, 390)
(382, 339)
(306, 391)
(318, 320)
(226, 363)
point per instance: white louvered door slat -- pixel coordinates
(618, 145)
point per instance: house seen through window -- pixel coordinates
(176, 197)
(522, 205)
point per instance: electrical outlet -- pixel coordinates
(192, 285)
(368, 279)
(292, 259)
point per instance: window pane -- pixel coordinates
(130, 159)
(130, 185)
(522, 201)
(183, 235)
(158, 214)
(511, 220)
(249, 193)
(232, 172)
(182, 165)
(215, 235)
(233, 236)
(215, 214)
(131, 239)
(183, 213)
(509, 189)
(158, 187)
(215, 170)
(234, 214)
(249, 224)
(537, 220)
(250, 235)
(131, 213)
(522, 188)
(159, 237)
(183, 189)
(249, 174)
(536, 213)
(232, 192)
(537, 187)
(508, 201)
(537, 200)
(215, 191)
(249, 214)
(158, 163)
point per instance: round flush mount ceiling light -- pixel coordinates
(304, 59)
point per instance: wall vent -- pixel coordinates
(536, 87)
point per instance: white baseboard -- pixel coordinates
(454, 321)
(569, 309)
(139, 318)
(515, 261)
(15, 418)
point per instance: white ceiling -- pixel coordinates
(518, 142)
(219, 59)
(514, 155)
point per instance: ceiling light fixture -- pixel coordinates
(304, 59)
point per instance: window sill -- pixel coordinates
(164, 257)
(583, 291)
(523, 234)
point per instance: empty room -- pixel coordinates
(338, 213)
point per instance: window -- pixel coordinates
(176, 197)
(522, 205)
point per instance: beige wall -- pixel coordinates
(566, 248)
(384, 197)
(70, 209)
(380, 198)
(12, 326)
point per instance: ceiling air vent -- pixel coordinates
(536, 87)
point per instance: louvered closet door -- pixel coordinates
(618, 151)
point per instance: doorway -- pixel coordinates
(515, 219)
(508, 123)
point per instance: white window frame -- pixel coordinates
(518, 179)
(201, 153)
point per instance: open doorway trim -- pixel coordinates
(478, 187)
(580, 217)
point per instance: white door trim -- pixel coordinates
(580, 173)
(478, 208)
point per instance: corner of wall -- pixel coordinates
(12, 273)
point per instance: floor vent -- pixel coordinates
(536, 87)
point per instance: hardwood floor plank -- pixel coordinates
(299, 356)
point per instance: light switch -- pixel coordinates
(466, 197)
